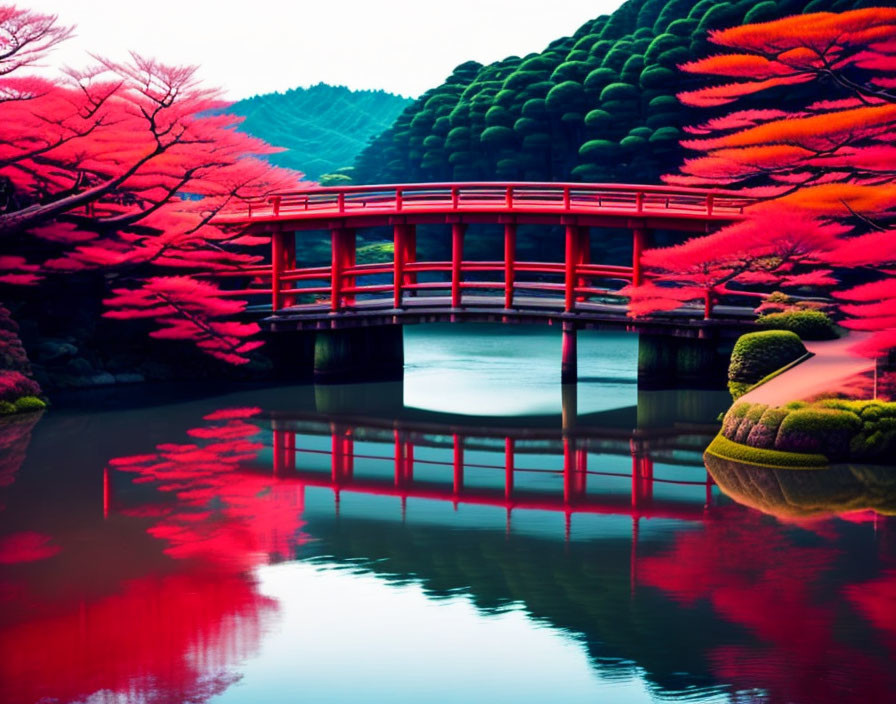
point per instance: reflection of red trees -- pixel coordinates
(756, 575)
(253, 517)
(26, 546)
(161, 639)
(876, 600)
(15, 434)
(170, 637)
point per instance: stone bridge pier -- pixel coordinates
(371, 353)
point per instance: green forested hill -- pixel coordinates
(597, 106)
(323, 127)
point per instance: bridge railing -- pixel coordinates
(501, 475)
(492, 197)
(346, 285)
(372, 286)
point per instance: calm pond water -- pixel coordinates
(473, 534)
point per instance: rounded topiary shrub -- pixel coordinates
(765, 430)
(825, 430)
(7, 408)
(29, 403)
(758, 354)
(808, 324)
(733, 418)
(751, 418)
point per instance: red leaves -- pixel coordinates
(825, 170)
(186, 309)
(124, 164)
(26, 37)
(14, 385)
(814, 31)
(729, 92)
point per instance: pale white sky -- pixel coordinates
(259, 46)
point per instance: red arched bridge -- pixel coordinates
(577, 207)
(576, 291)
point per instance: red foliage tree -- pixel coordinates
(825, 171)
(122, 166)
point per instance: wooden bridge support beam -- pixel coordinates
(583, 252)
(569, 406)
(573, 242)
(276, 269)
(458, 464)
(404, 459)
(457, 256)
(581, 476)
(359, 354)
(343, 256)
(283, 259)
(398, 261)
(410, 253)
(569, 451)
(342, 453)
(642, 474)
(509, 450)
(575, 470)
(288, 264)
(639, 243)
(569, 364)
(509, 262)
(284, 451)
(405, 252)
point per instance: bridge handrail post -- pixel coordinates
(398, 232)
(572, 255)
(639, 237)
(455, 197)
(275, 204)
(508, 198)
(639, 202)
(276, 268)
(709, 204)
(583, 256)
(336, 263)
(340, 199)
(567, 198)
(399, 199)
(457, 255)
(509, 262)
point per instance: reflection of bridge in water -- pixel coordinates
(407, 486)
(643, 473)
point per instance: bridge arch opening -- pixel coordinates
(512, 370)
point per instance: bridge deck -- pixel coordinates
(686, 321)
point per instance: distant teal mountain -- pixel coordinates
(323, 127)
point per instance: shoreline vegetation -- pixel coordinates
(802, 433)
